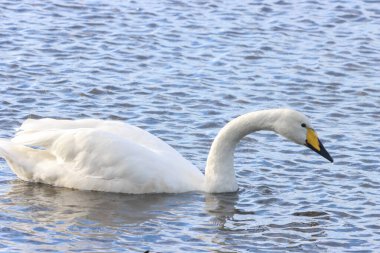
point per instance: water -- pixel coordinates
(181, 70)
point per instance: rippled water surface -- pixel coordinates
(181, 70)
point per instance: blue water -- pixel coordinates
(181, 70)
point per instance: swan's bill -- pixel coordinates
(313, 142)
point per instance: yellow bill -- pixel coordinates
(313, 142)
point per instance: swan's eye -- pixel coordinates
(303, 125)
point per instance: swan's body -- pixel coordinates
(116, 157)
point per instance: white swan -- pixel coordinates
(113, 156)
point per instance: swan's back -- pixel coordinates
(99, 155)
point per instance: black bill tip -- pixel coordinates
(323, 152)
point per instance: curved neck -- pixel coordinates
(220, 173)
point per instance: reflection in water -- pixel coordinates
(34, 210)
(221, 207)
(31, 211)
(105, 209)
(46, 203)
(38, 209)
(300, 231)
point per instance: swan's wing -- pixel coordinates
(43, 132)
(109, 156)
(103, 155)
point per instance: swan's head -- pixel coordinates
(297, 127)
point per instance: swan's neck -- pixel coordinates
(220, 173)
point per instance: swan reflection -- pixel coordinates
(221, 207)
(46, 203)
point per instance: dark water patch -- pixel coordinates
(310, 214)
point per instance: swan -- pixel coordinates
(112, 156)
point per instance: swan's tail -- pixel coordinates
(10, 152)
(21, 159)
(5, 149)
